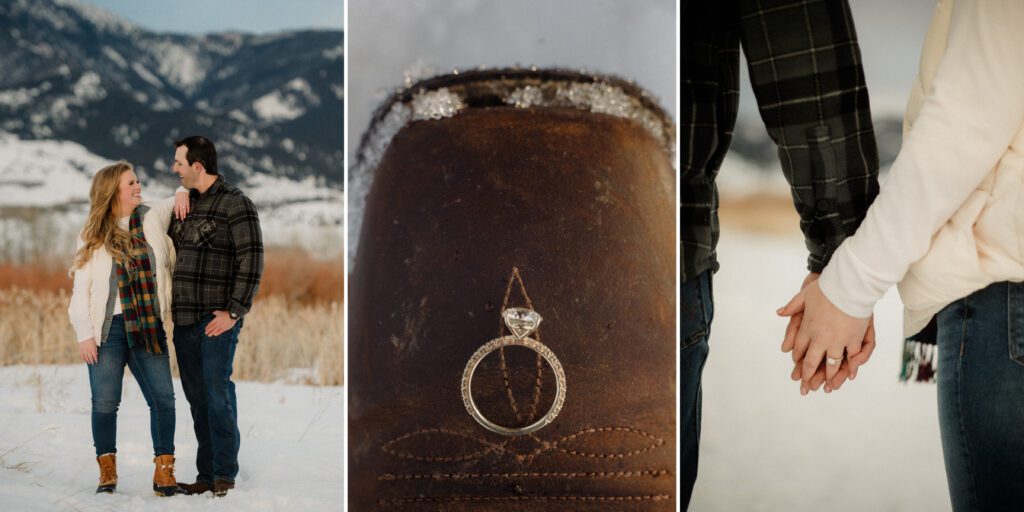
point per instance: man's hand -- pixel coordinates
(221, 323)
(87, 349)
(182, 204)
(818, 329)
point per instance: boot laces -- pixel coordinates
(168, 469)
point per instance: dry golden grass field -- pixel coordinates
(294, 332)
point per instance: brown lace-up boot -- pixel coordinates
(164, 483)
(108, 473)
(197, 488)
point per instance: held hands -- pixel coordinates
(181, 204)
(221, 323)
(819, 332)
(87, 349)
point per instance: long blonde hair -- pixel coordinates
(101, 229)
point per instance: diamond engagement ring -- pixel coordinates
(522, 322)
(831, 361)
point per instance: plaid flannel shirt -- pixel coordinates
(805, 69)
(220, 254)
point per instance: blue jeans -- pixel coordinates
(981, 398)
(151, 371)
(696, 311)
(205, 365)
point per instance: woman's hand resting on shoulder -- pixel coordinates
(182, 203)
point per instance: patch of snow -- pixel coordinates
(114, 56)
(17, 98)
(50, 173)
(277, 107)
(290, 456)
(42, 49)
(59, 19)
(100, 17)
(248, 139)
(299, 85)
(226, 72)
(124, 135)
(179, 64)
(335, 53)
(88, 88)
(239, 116)
(57, 175)
(166, 104)
(146, 75)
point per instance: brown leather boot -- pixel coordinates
(197, 488)
(108, 473)
(221, 487)
(164, 483)
(569, 178)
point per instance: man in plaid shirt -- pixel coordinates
(220, 260)
(805, 69)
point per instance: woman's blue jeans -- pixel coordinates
(151, 371)
(981, 398)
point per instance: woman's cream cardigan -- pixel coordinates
(950, 218)
(92, 305)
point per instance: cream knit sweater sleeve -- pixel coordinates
(78, 308)
(964, 127)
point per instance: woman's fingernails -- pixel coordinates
(779, 311)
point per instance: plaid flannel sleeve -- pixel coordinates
(805, 69)
(247, 238)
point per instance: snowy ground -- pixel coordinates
(291, 454)
(873, 445)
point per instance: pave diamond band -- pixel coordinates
(505, 341)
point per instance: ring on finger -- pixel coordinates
(833, 361)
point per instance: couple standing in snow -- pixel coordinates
(195, 258)
(948, 228)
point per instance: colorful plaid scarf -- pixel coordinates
(136, 286)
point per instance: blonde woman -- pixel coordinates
(121, 297)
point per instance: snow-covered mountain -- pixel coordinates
(81, 87)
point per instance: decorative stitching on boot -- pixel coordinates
(613, 475)
(584, 497)
(516, 278)
(545, 446)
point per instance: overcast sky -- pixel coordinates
(203, 16)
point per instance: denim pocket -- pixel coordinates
(1015, 320)
(694, 314)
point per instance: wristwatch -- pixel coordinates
(233, 315)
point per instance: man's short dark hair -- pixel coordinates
(200, 149)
